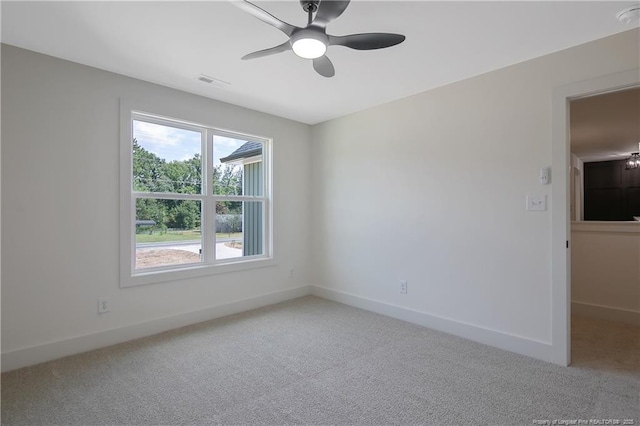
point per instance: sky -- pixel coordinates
(175, 144)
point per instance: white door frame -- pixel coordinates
(560, 220)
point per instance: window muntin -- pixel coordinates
(176, 221)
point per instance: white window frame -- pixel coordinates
(129, 276)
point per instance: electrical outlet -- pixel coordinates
(291, 273)
(104, 305)
(403, 287)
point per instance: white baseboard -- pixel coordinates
(498, 339)
(46, 352)
(608, 313)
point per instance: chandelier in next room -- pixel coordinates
(633, 162)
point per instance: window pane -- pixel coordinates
(239, 229)
(166, 159)
(237, 167)
(167, 232)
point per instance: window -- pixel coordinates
(195, 200)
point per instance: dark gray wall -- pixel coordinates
(610, 191)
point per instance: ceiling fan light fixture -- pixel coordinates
(309, 48)
(309, 43)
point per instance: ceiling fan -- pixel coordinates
(311, 42)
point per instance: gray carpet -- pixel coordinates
(311, 361)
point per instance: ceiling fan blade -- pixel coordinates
(324, 67)
(328, 10)
(266, 17)
(266, 52)
(368, 41)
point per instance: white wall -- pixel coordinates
(605, 270)
(450, 168)
(60, 204)
(0, 193)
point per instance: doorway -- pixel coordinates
(561, 200)
(605, 239)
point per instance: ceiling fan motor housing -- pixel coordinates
(314, 33)
(309, 5)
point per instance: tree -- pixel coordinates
(154, 174)
(233, 223)
(185, 176)
(148, 171)
(151, 209)
(227, 180)
(184, 215)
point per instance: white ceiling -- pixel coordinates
(171, 43)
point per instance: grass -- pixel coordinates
(227, 235)
(187, 235)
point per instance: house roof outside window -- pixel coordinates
(247, 150)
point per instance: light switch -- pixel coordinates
(536, 202)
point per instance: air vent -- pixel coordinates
(211, 80)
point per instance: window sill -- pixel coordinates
(195, 271)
